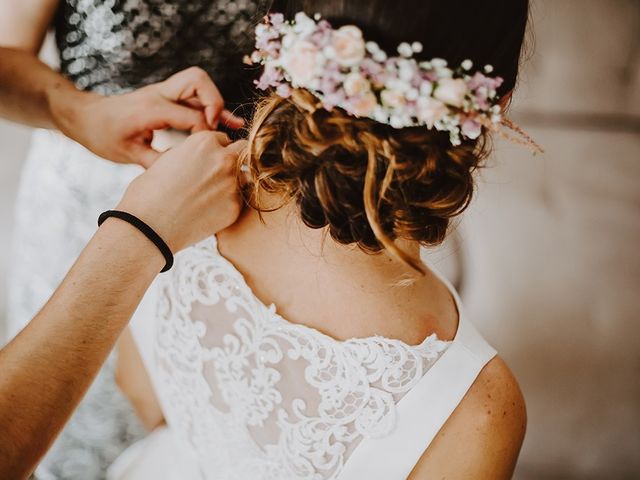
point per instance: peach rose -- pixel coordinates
(392, 98)
(300, 63)
(348, 46)
(430, 110)
(363, 105)
(356, 84)
(451, 91)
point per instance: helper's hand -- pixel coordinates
(191, 191)
(120, 127)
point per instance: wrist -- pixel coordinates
(134, 245)
(161, 221)
(66, 105)
(145, 229)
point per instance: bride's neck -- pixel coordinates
(313, 278)
(286, 224)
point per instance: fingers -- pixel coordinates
(230, 120)
(215, 150)
(234, 153)
(143, 155)
(237, 147)
(195, 83)
(221, 137)
(180, 117)
(206, 142)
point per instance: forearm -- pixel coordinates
(189, 193)
(67, 342)
(32, 93)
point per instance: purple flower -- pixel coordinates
(371, 68)
(321, 37)
(481, 99)
(431, 76)
(271, 77)
(332, 99)
(479, 80)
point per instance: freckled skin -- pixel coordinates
(477, 442)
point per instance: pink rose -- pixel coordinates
(300, 62)
(430, 110)
(363, 105)
(348, 46)
(471, 129)
(451, 91)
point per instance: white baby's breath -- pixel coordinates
(438, 63)
(342, 69)
(405, 50)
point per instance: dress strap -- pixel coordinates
(422, 412)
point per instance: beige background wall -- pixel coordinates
(553, 243)
(550, 246)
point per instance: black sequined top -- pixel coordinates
(111, 46)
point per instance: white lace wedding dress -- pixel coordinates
(248, 395)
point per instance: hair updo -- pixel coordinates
(368, 183)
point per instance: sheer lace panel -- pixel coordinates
(256, 396)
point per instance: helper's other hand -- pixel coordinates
(120, 127)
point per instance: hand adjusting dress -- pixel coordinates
(249, 395)
(110, 47)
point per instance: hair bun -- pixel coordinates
(369, 183)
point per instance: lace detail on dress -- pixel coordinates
(259, 397)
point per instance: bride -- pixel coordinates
(310, 340)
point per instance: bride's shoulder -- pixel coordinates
(483, 436)
(495, 401)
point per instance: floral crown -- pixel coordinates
(342, 70)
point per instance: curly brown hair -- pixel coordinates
(368, 183)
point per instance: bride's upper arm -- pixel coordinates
(483, 436)
(133, 380)
(24, 23)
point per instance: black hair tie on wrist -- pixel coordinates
(145, 229)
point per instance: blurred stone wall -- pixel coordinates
(550, 246)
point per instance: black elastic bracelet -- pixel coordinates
(145, 229)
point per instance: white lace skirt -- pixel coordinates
(63, 189)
